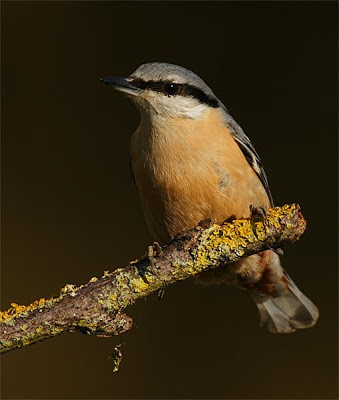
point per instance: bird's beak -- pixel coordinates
(122, 85)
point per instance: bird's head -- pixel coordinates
(166, 90)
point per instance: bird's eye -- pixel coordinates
(171, 88)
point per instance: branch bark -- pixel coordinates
(96, 307)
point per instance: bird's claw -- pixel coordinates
(257, 213)
(152, 251)
(158, 249)
(151, 262)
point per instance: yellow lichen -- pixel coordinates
(6, 343)
(108, 304)
(68, 289)
(228, 240)
(113, 297)
(260, 230)
(17, 310)
(56, 331)
(221, 239)
(87, 323)
(275, 215)
(139, 285)
(39, 330)
(121, 281)
(190, 268)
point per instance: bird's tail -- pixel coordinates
(287, 309)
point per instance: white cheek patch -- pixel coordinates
(196, 111)
(179, 106)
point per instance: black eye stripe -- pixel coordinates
(182, 89)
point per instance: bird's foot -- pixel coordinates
(158, 249)
(154, 250)
(258, 213)
(151, 262)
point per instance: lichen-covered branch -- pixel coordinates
(96, 307)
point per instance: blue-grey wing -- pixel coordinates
(249, 152)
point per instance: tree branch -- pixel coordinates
(95, 308)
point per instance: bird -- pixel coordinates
(191, 161)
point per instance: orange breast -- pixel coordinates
(188, 170)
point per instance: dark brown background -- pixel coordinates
(69, 209)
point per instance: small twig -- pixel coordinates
(95, 308)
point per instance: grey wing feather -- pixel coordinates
(249, 152)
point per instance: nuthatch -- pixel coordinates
(191, 162)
